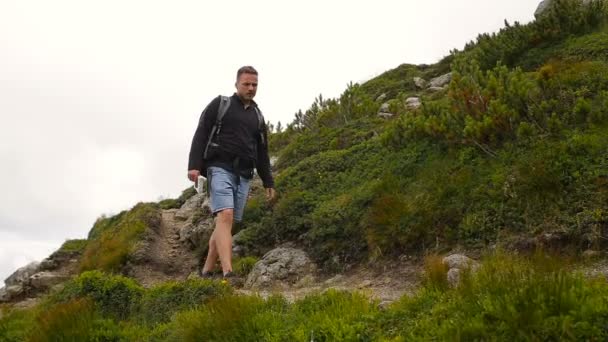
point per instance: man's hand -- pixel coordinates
(193, 175)
(270, 194)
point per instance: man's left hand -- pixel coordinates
(270, 194)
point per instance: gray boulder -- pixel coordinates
(10, 293)
(384, 111)
(436, 89)
(22, 275)
(193, 204)
(440, 81)
(280, 267)
(195, 235)
(413, 102)
(46, 280)
(456, 263)
(420, 82)
(381, 98)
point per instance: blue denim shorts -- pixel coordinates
(225, 193)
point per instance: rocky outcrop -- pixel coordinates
(413, 102)
(282, 267)
(544, 6)
(196, 234)
(37, 278)
(384, 111)
(420, 82)
(22, 275)
(192, 205)
(441, 81)
(456, 264)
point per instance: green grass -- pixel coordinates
(113, 239)
(507, 298)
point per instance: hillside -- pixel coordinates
(499, 151)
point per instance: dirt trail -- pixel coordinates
(384, 282)
(167, 258)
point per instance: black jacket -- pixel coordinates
(239, 137)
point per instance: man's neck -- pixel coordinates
(247, 103)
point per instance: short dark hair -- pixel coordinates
(248, 69)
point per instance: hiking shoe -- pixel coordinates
(205, 275)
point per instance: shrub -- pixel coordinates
(115, 296)
(242, 266)
(115, 238)
(72, 246)
(159, 303)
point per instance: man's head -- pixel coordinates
(246, 83)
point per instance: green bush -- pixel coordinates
(112, 240)
(232, 318)
(160, 303)
(242, 266)
(115, 296)
(73, 246)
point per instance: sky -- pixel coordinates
(99, 100)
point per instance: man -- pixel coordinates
(235, 149)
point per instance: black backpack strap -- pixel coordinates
(215, 130)
(261, 124)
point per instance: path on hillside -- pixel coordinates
(167, 258)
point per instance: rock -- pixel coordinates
(22, 275)
(436, 89)
(420, 82)
(413, 102)
(454, 277)
(591, 254)
(365, 283)
(48, 264)
(46, 280)
(11, 292)
(195, 235)
(381, 98)
(386, 115)
(280, 266)
(238, 243)
(192, 205)
(456, 264)
(336, 279)
(555, 240)
(307, 281)
(385, 108)
(384, 111)
(440, 81)
(273, 160)
(544, 5)
(459, 261)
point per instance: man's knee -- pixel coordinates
(226, 215)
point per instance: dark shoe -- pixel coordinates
(205, 275)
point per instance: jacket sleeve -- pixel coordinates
(263, 164)
(201, 135)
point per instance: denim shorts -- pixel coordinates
(225, 193)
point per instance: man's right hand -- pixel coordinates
(193, 175)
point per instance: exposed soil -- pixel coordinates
(167, 259)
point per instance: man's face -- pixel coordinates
(246, 86)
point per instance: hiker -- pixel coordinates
(226, 148)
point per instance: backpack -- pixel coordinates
(217, 127)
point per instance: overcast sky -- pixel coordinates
(99, 99)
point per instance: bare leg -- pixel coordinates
(223, 238)
(212, 254)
